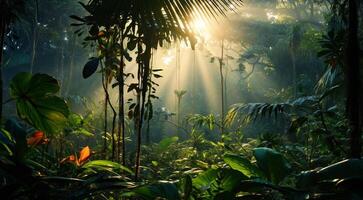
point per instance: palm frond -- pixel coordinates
(165, 19)
(246, 113)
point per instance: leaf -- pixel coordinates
(258, 186)
(69, 159)
(157, 76)
(166, 142)
(243, 165)
(7, 142)
(90, 67)
(230, 179)
(84, 132)
(218, 180)
(161, 190)
(33, 85)
(106, 165)
(36, 102)
(84, 155)
(188, 187)
(272, 163)
(204, 180)
(18, 133)
(133, 86)
(37, 138)
(297, 123)
(127, 56)
(77, 18)
(131, 45)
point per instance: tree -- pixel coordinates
(149, 24)
(9, 10)
(353, 82)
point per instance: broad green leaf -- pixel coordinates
(272, 163)
(204, 180)
(36, 102)
(106, 166)
(90, 67)
(229, 179)
(84, 132)
(341, 170)
(163, 190)
(243, 165)
(75, 119)
(258, 186)
(218, 180)
(166, 142)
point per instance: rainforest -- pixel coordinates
(181, 99)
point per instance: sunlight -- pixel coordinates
(168, 58)
(199, 25)
(271, 16)
(200, 28)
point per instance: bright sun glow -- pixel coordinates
(168, 58)
(199, 25)
(271, 16)
(200, 28)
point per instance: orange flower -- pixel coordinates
(37, 138)
(101, 34)
(84, 155)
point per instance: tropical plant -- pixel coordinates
(37, 103)
(133, 22)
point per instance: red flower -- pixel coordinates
(37, 138)
(84, 155)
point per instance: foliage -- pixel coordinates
(293, 145)
(37, 103)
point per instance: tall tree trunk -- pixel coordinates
(193, 81)
(70, 69)
(121, 111)
(226, 80)
(312, 9)
(179, 92)
(108, 102)
(113, 129)
(353, 105)
(138, 113)
(35, 36)
(222, 86)
(105, 128)
(143, 80)
(61, 68)
(294, 78)
(2, 39)
(148, 135)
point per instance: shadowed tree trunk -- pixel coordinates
(121, 148)
(144, 75)
(222, 86)
(35, 36)
(353, 104)
(2, 38)
(105, 128)
(70, 68)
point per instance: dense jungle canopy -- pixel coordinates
(181, 99)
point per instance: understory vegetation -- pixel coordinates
(181, 99)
